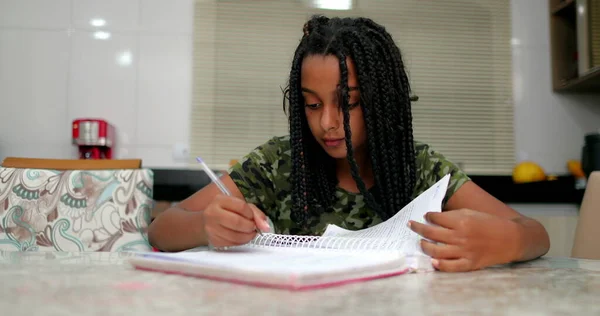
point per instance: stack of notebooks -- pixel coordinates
(337, 257)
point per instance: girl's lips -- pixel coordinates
(333, 142)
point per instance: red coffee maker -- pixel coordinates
(95, 138)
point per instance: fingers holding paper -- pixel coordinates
(466, 240)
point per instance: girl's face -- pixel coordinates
(320, 78)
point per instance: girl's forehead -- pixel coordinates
(325, 68)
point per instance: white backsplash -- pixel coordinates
(55, 67)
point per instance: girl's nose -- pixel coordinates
(330, 117)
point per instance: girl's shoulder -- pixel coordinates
(273, 156)
(432, 166)
(262, 174)
(430, 159)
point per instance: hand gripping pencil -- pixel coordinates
(217, 181)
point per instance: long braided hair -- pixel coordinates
(386, 105)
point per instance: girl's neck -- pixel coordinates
(344, 172)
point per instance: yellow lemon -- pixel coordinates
(528, 171)
(575, 169)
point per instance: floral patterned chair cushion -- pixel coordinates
(75, 210)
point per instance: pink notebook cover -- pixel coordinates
(290, 287)
(173, 265)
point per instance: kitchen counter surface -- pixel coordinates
(105, 284)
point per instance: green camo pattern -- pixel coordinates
(262, 177)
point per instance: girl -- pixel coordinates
(350, 160)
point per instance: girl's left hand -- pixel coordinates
(468, 240)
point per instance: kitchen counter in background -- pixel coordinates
(177, 184)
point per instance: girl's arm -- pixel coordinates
(534, 242)
(477, 230)
(183, 227)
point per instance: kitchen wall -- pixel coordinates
(125, 61)
(549, 127)
(55, 66)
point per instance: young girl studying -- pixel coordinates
(350, 160)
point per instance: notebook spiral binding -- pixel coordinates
(328, 242)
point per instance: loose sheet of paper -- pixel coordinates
(280, 260)
(394, 231)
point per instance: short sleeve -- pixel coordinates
(432, 166)
(254, 174)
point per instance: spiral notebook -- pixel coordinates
(292, 262)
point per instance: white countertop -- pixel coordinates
(52, 283)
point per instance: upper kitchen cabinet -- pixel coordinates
(575, 45)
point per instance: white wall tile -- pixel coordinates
(40, 150)
(530, 23)
(546, 130)
(119, 15)
(33, 85)
(157, 157)
(531, 114)
(164, 89)
(585, 109)
(549, 126)
(124, 152)
(167, 16)
(101, 85)
(35, 13)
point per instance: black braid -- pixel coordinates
(385, 102)
(299, 160)
(345, 94)
(314, 186)
(403, 85)
(377, 137)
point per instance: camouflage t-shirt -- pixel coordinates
(263, 178)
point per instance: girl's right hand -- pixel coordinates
(230, 221)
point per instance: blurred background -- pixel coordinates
(500, 83)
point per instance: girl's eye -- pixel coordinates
(353, 105)
(313, 106)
